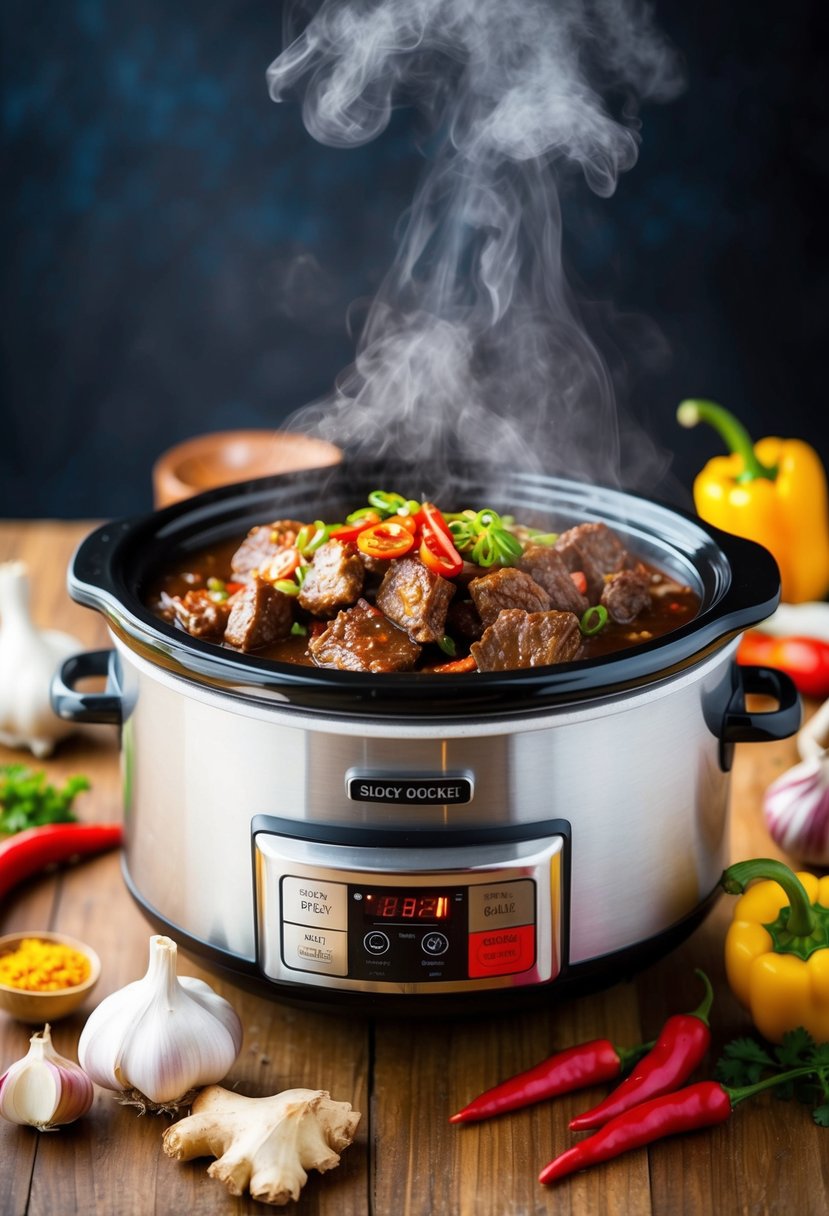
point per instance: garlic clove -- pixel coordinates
(813, 737)
(28, 659)
(796, 810)
(160, 1038)
(44, 1089)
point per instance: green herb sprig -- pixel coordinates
(744, 1061)
(28, 801)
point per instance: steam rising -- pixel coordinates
(473, 345)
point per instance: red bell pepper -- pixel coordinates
(805, 660)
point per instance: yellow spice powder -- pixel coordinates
(43, 966)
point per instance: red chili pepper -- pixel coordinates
(385, 540)
(701, 1105)
(575, 1068)
(281, 565)
(437, 548)
(351, 531)
(681, 1046)
(455, 666)
(580, 579)
(806, 660)
(27, 852)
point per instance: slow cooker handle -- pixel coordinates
(741, 725)
(73, 706)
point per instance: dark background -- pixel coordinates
(179, 255)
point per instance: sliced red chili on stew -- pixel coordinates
(386, 540)
(437, 547)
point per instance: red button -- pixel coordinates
(501, 951)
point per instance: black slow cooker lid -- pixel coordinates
(737, 581)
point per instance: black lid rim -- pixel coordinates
(737, 579)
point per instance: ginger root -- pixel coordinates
(264, 1144)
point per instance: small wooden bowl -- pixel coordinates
(225, 457)
(29, 1006)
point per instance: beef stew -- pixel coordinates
(401, 586)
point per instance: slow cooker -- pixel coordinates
(425, 842)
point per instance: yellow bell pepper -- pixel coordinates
(773, 492)
(777, 948)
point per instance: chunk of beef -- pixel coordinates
(261, 545)
(546, 566)
(463, 620)
(527, 639)
(507, 588)
(198, 614)
(334, 580)
(597, 551)
(626, 594)
(415, 598)
(259, 615)
(363, 639)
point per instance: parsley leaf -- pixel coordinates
(742, 1063)
(745, 1062)
(796, 1049)
(27, 801)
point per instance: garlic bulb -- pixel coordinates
(796, 805)
(160, 1038)
(28, 659)
(44, 1089)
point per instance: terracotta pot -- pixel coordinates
(224, 457)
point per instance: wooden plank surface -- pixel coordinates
(405, 1076)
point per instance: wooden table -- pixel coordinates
(406, 1077)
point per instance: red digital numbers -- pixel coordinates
(392, 906)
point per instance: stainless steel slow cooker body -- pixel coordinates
(411, 841)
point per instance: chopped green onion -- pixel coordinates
(322, 535)
(298, 630)
(357, 516)
(386, 504)
(447, 645)
(593, 620)
(542, 538)
(487, 518)
(287, 586)
(216, 584)
(312, 536)
(510, 546)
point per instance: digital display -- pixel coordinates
(406, 905)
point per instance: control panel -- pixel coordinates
(408, 919)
